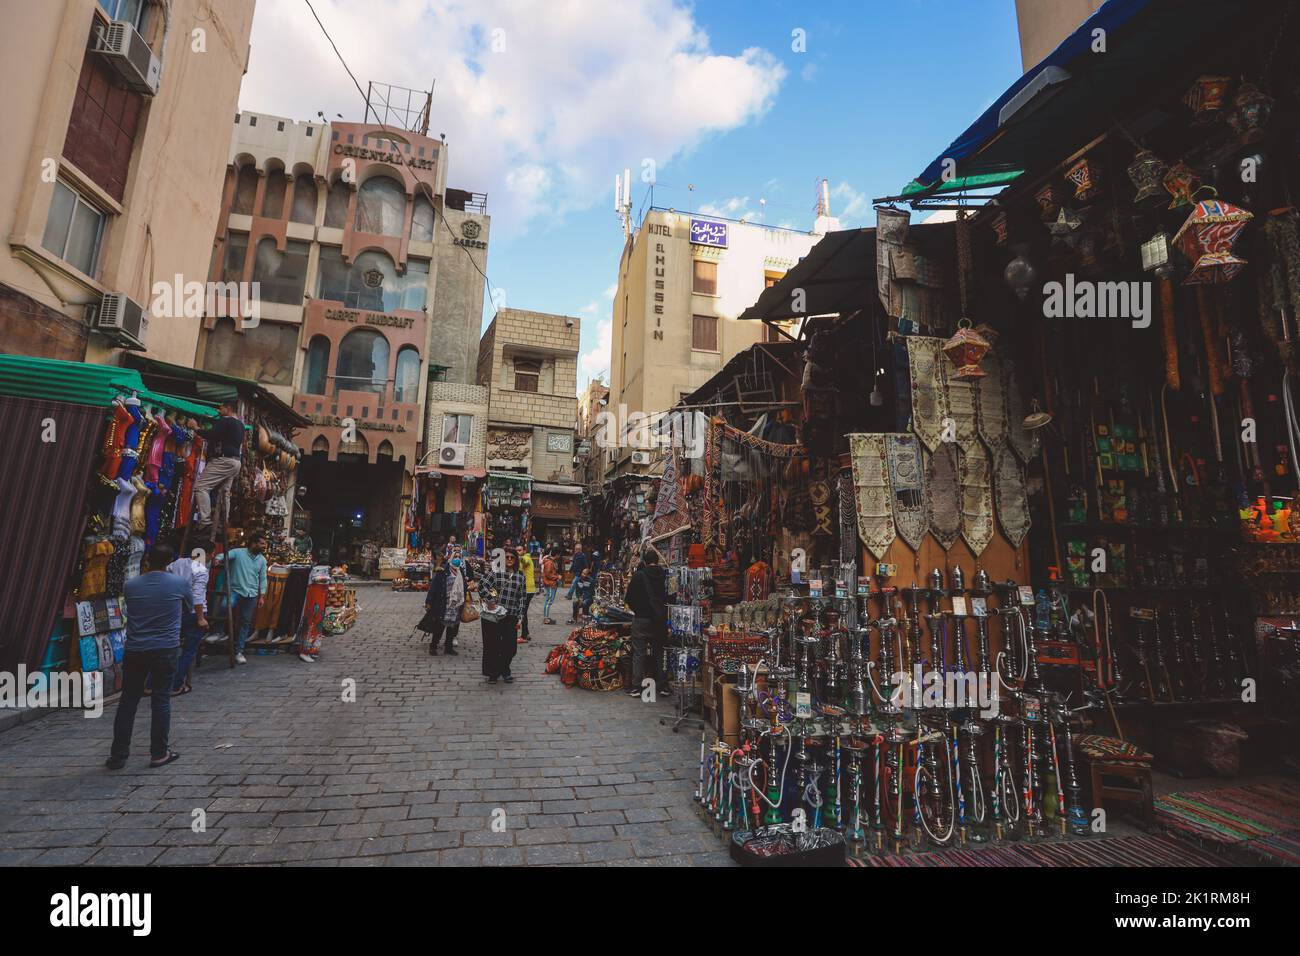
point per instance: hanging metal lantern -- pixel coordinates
(1067, 221)
(1037, 418)
(1020, 274)
(966, 349)
(1207, 238)
(1155, 255)
(1086, 176)
(1181, 181)
(1207, 96)
(1000, 225)
(1049, 200)
(1147, 172)
(1251, 110)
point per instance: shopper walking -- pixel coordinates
(583, 591)
(448, 592)
(647, 597)
(155, 601)
(225, 441)
(503, 599)
(247, 570)
(529, 568)
(194, 623)
(576, 564)
(550, 583)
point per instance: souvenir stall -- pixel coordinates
(1071, 476)
(128, 458)
(507, 502)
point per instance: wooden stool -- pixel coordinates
(1136, 788)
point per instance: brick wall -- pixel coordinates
(458, 399)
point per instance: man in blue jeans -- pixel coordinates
(576, 564)
(194, 624)
(247, 569)
(155, 601)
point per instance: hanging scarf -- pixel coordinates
(929, 402)
(874, 498)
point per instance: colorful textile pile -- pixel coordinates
(1120, 851)
(590, 658)
(1232, 815)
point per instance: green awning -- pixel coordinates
(961, 183)
(83, 383)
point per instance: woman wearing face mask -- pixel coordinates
(503, 593)
(448, 591)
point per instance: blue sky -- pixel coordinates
(712, 91)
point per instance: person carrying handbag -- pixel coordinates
(446, 605)
(503, 594)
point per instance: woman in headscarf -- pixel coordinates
(448, 591)
(503, 594)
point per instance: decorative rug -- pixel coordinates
(1281, 848)
(1119, 851)
(1232, 815)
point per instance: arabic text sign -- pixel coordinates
(706, 233)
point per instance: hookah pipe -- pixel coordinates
(934, 620)
(981, 591)
(957, 589)
(1075, 817)
(1215, 674)
(877, 824)
(1178, 675)
(1146, 687)
(1164, 686)
(1236, 661)
(1003, 802)
(979, 811)
(913, 621)
(952, 742)
(856, 833)
(1009, 610)
(1194, 655)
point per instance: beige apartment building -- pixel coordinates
(117, 127)
(682, 281)
(529, 363)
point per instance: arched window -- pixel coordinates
(336, 205)
(385, 450)
(321, 446)
(371, 281)
(381, 207)
(317, 367)
(406, 381)
(304, 200)
(363, 362)
(273, 198)
(283, 275)
(357, 450)
(422, 220)
(245, 191)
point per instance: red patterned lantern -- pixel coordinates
(966, 349)
(999, 225)
(1049, 200)
(1207, 96)
(1086, 176)
(1250, 112)
(1207, 238)
(1181, 181)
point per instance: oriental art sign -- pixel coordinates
(370, 318)
(381, 156)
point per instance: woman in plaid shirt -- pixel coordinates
(508, 589)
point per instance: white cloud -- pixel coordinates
(737, 207)
(581, 89)
(594, 360)
(849, 205)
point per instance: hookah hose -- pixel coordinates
(784, 766)
(976, 787)
(1056, 769)
(1107, 685)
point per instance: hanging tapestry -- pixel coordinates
(959, 393)
(669, 517)
(990, 404)
(1011, 497)
(819, 493)
(849, 550)
(976, 498)
(929, 406)
(943, 495)
(906, 476)
(874, 499)
(712, 461)
(1024, 443)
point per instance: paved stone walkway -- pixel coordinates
(410, 774)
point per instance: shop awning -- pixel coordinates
(84, 383)
(441, 471)
(1075, 93)
(557, 489)
(837, 276)
(212, 386)
(510, 476)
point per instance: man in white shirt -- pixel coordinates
(193, 624)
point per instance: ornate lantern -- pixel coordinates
(1155, 255)
(1206, 97)
(1086, 176)
(966, 349)
(999, 225)
(1181, 181)
(1067, 222)
(1146, 173)
(1250, 112)
(1020, 274)
(1207, 238)
(1049, 200)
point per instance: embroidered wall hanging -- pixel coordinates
(976, 498)
(907, 481)
(1023, 443)
(990, 404)
(929, 405)
(874, 498)
(959, 394)
(1011, 497)
(943, 495)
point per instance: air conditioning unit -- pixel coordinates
(453, 455)
(640, 458)
(131, 57)
(121, 319)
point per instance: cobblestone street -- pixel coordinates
(411, 773)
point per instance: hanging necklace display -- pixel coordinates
(976, 497)
(943, 495)
(874, 498)
(929, 404)
(1011, 497)
(848, 514)
(906, 477)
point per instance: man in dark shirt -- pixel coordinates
(155, 601)
(225, 442)
(647, 598)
